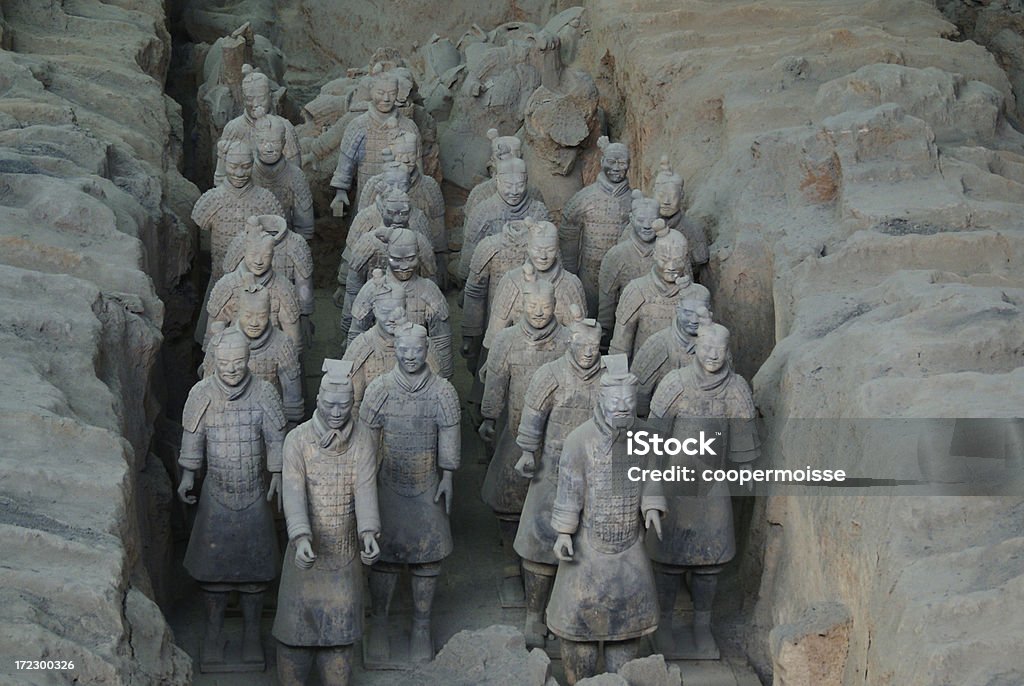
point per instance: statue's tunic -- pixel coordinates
(284, 307)
(289, 185)
(372, 354)
(330, 495)
(223, 211)
(292, 258)
(360, 155)
(647, 305)
(663, 352)
(698, 529)
(607, 593)
(507, 307)
(561, 396)
(518, 352)
(417, 419)
(238, 433)
(493, 258)
(488, 218)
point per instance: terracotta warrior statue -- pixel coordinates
(560, 397)
(233, 423)
(330, 505)
(648, 304)
(413, 416)
(224, 209)
(542, 264)
(255, 270)
(593, 219)
(424, 303)
(510, 202)
(630, 259)
(372, 353)
(281, 176)
(671, 348)
(502, 148)
(668, 191)
(604, 590)
(517, 353)
(494, 256)
(292, 259)
(366, 136)
(258, 99)
(371, 250)
(698, 533)
(272, 357)
(424, 192)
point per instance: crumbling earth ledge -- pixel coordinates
(93, 239)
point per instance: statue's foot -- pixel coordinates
(535, 631)
(212, 650)
(421, 645)
(378, 648)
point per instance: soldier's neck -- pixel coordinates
(611, 188)
(686, 340)
(535, 334)
(710, 381)
(415, 381)
(233, 392)
(261, 340)
(269, 171)
(582, 372)
(643, 247)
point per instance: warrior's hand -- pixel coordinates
(467, 347)
(371, 549)
(486, 431)
(653, 518)
(339, 297)
(445, 489)
(563, 548)
(188, 480)
(304, 555)
(275, 489)
(339, 204)
(527, 466)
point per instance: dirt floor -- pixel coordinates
(467, 595)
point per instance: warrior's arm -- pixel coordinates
(537, 406)
(495, 382)
(609, 289)
(296, 508)
(290, 377)
(302, 213)
(350, 154)
(474, 304)
(292, 151)
(570, 233)
(367, 512)
(273, 429)
(565, 513)
(290, 327)
(439, 330)
(193, 451)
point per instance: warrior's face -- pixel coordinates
(395, 213)
(690, 315)
(670, 262)
(238, 166)
(543, 251)
(584, 351)
(232, 364)
(254, 317)
(396, 178)
(615, 165)
(403, 261)
(511, 187)
(269, 143)
(384, 94)
(259, 256)
(618, 405)
(643, 224)
(405, 156)
(334, 404)
(669, 197)
(412, 353)
(389, 313)
(539, 309)
(256, 98)
(712, 352)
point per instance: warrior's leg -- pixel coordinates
(294, 664)
(579, 659)
(618, 653)
(251, 599)
(703, 584)
(538, 579)
(424, 582)
(667, 584)
(213, 646)
(335, 665)
(508, 525)
(383, 577)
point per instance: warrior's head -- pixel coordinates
(411, 347)
(503, 148)
(585, 338)
(538, 299)
(712, 349)
(383, 89)
(336, 397)
(256, 95)
(614, 159)
(542, 244)
(254, 311)
(238, 161)
(405, 150)
(617, 397)
(403, 253)
(671, 254)
(231, 353)
(642, 215)
(388, 302)
(395, 207)
(511, 181)
(259, 250)
(668, 189)
(692, 312)
(268, 139)
(273, 225)
(395, 174)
